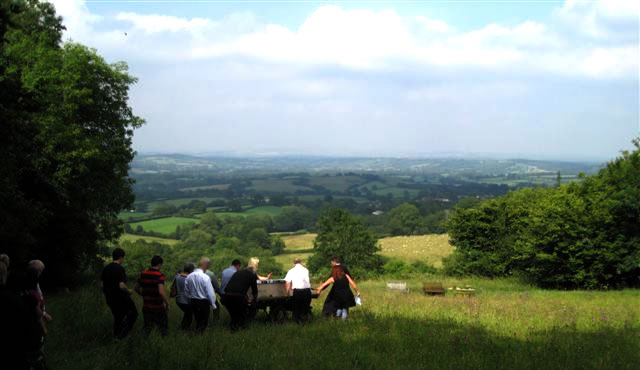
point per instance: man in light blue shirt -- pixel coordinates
(228, 273)
(199, 289)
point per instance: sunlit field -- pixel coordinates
(506, 325)
(430, 248)
(133, 238)
(164, 225)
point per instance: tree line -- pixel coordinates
(579, 235)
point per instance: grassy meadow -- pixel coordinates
(506, 325)
(133, 238)
(430, 248)
(164, 225)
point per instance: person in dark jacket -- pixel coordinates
(118, 296)
(235, 294)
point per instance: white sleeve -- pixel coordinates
(288, 277)
(211, 295)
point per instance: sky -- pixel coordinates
(537, 79)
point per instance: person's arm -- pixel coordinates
(174, 290)
(263, 278)
(138, 288)
(324, 285)
(216, 286)
(211, 294)
(254, 289)
(40, 316)
(353, 284)
(163, 294)
(287, 287)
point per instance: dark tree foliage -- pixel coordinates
(341, 234)
(579, 235)
(66, 132)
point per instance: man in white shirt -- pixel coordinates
(298, 285)
(198, 288)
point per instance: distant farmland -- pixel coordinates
(165, 225)
(133, 238)
(429, 248)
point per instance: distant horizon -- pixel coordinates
(425, 156)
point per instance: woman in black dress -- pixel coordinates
(340, 293)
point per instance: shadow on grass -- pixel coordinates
(80, 339)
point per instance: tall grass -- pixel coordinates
(506, 325)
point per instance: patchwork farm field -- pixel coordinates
(506, 325)
(276, 186)
(263, 210)
(430, 248)
(124, 216)
(179, 201)
(164, 225)
(133, 238)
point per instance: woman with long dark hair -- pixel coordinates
(340, 293)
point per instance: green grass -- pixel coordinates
(276, 186)
(164, 225)
(507, 325)
(133, 238)
(179, 201)
(271, 211)
(428, 248)
(264, 210)
(336, 183)
(128, 215)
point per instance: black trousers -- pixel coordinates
(155, 316)
(124, 313)
(237, 307)
(301, 302)
(187, 318)
(200, 309)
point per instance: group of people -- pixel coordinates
(196, 291)
(23, 315)
(194, 288)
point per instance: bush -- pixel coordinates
(579, 235)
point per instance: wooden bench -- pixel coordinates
(397, 286)
(433, 288)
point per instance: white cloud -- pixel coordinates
(160, 23)
(363, 38)
(76, 17)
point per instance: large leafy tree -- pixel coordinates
(404, 220)
(342, 235)
(66, 142)
(579, 235)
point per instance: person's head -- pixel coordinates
(204, 263)
(118, 254)
(297, 261)
(335, 261)
(4, 273)
(188, 268)
(5, 259)
(36, 267)
(236, 263)
(253, 263)
(156, 261)
(337, 272)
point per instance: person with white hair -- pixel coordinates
(199, 290)
(235, 294)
